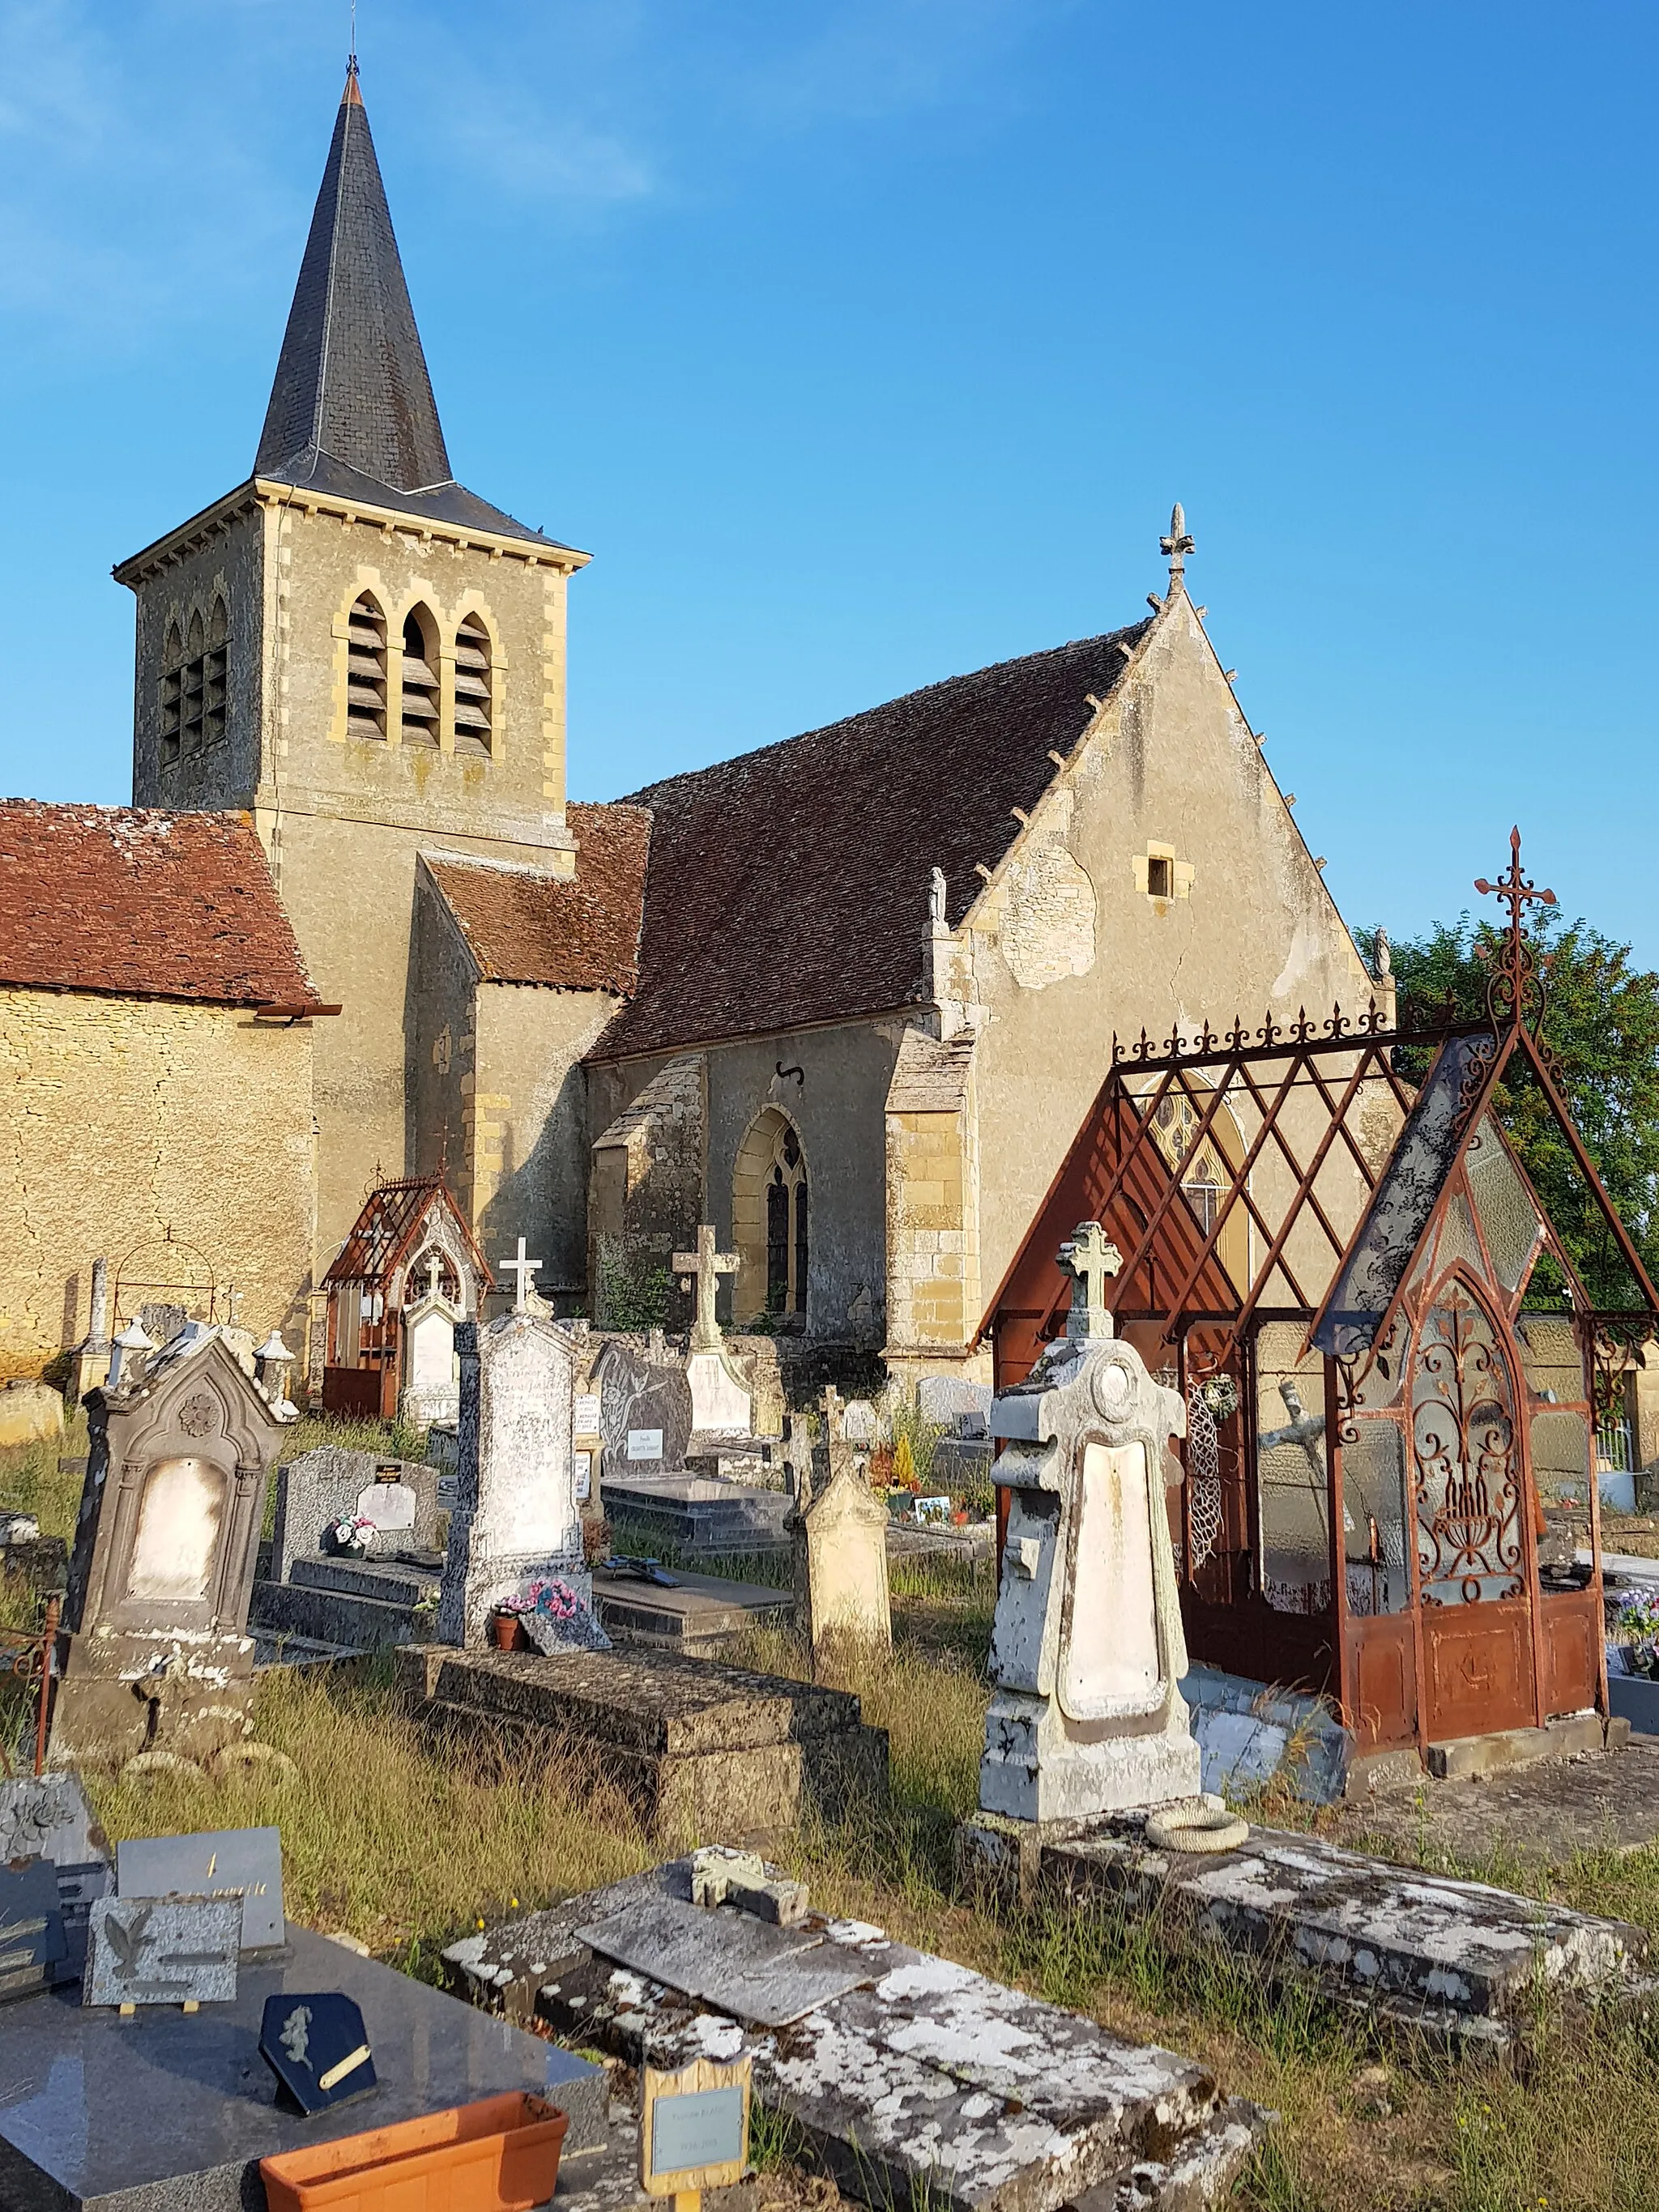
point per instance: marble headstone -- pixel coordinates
(1087, 1649)
(516, 1516)
(645, 1411)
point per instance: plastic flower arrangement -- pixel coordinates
(1219, 1395)
(351, 1532)
(1637, 1627)
(551, 1594)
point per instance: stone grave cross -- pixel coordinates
(708, 1266)
(522, 1270)
(1090, 1260)
(435, 1271)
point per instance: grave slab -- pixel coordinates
(1414, 1949)
(85, 2089)
(704, 1751)
(916, 2074)
(702, 1617)
(697, 1516)
(349, 1605)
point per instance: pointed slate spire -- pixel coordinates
(351, 380)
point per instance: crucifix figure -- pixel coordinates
(1090, 1260)
(708, 1266)
(523, 1269)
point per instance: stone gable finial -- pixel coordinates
(1178, 544)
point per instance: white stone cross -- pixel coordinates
(1090, 1260)
(708, 1266)
(523, 1269)
(434, 1269)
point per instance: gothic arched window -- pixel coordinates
(172, 681)
(213, 672)
(770, 1219)
(365, 669)
(194, 683)
(474, 720)
(419, 714)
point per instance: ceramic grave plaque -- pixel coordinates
(392, 1506)
(168, 1950)
(246, 1863)
(1087, 1649)
(317, 2046)
(33, 1945)
(517, 1518)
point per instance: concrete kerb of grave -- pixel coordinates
(1428, 1954)
(904, 2071)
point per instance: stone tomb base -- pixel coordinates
(350, 1605)
(171, 2112)
(1454, 1960)
(702, 1617)
(696, 1516)
(915, 2080)
(705, 1752)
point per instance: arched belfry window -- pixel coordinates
(172, 684)
(474, 703)
(194, 682)
(419, 716)
(365, 669)
(213, 673)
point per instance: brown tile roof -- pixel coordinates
(582, 934)
(133, 901)
(790, 885)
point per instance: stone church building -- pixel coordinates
(848, 997)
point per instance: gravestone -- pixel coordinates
(156, 1656)
(839, 1541)
(432, 1389)
(47, 1816)
(172, 1950)
(517, 1517)
(328, 1484)
(244, 1864)
(645, 1410)
(721, 1400)
(1087, 1650)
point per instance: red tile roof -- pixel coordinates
(134, 902)
(790, 885)
(579, 934)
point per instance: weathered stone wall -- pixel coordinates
(231, 563)
(127, 1116)
(646, 1188)
(933, 1288)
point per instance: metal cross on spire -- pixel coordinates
(523, 1269)
(1179, 543)
(1091, 1259)
(1515, 989)
(708, 1266)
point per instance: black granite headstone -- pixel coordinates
(33, 1946)
(317, 2046)
(244, 1863)
(645, 1412)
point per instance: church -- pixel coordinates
(848, 997)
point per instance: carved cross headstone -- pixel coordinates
(522, 1270)
(435, 1271)
(708, 1266)
(1090, 1260)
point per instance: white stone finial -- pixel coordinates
(1178, 544)
(1090, 1259)
(523, 1270)
(275, 1350)
(128, 1349)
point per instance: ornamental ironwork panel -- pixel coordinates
(1467, 1452)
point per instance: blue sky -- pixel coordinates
(867, 342)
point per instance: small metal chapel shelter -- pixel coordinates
(1390, 1363)
(410, 1237)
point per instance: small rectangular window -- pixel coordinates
(1160, 876)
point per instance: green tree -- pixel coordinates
(1601, 1021)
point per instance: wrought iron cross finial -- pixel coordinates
(1515, 989)
(1091, 1259)
(1179, 543)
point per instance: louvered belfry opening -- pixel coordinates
(194, 682)
(420, 703)
(172, 684)
(213, 675)
(472, 688)
(366, 669)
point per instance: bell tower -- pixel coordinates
(359, 653)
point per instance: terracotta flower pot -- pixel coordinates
(500, 2154)
(508, 1634)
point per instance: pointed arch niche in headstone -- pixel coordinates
(1087, 1650)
